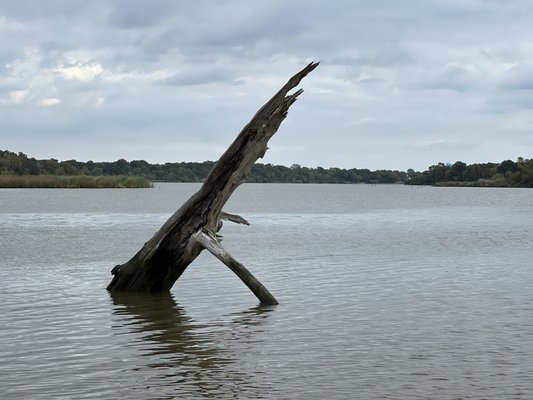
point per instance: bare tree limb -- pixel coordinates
(164, 258)
(210, 243)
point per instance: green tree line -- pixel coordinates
(20, 164)
(508, 173)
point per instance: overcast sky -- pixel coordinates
(402, 84)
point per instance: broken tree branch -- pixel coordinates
(211, 244)
(192, 228)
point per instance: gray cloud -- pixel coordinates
(400, 85)
(519, 78)
(200, 76)
(383, 57)
(131, 14)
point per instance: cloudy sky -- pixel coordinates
(402, 84)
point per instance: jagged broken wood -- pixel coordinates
(194, 226)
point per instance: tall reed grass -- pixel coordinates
(73, 182)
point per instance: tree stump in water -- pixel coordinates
(194, 226)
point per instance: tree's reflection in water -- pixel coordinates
(182, 357)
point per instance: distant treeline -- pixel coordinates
(505, 174)
(20, 164)
(508, 173)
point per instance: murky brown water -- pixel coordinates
(385, 292)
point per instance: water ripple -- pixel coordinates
(378, 300)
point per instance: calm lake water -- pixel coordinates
(386, 292)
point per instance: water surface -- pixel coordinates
(387, 291)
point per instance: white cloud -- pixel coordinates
(49, 102)
(84, 73)
(18, 96)
(99, 102)
(362, 121)
(519, 121)
(152, 76)
(431, 143)
(7, 24)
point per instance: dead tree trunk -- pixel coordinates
(193, 227)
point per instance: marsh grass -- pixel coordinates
(496, 182)
(73, 182)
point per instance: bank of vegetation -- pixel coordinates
(72, 182)
(21, 165)
(508, 173)
(18, 167)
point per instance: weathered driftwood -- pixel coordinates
(194, 226)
